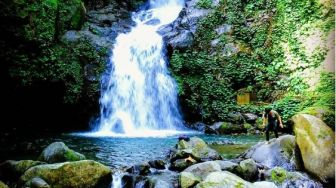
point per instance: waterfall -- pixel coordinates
(141, 97)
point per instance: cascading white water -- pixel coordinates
(141, 98)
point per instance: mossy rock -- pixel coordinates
(223, 179)
(324, 113)
(203, 169)
(248, 169)
(77, 174)
(2, 185)
(188, 180)
(317, 145)
(279, 175)
(195, 148)
(229, 128)
(12, 170)
(59, 152)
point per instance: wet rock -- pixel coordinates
(203, 169)
(59, 152)
(317, 145)
(284, 178)
(188, 180)
(223, 179)
(281, 152)
(159, 183)
(84, 173)
(11, 170)
(227, 165)
(264, 184)
(38, 183)
(248, 170)
(250, 118)
(130, 180)
(141, 169)
(195, 149)
(181, 164)
(158, 164)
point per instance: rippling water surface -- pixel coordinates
(113, 151)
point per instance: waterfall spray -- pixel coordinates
(141, 97)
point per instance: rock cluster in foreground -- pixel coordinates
(59, 167)
(282, 162)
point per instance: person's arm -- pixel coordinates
(279, 119)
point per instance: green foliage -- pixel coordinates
(278, 175)
(263, 51)
(204, 4)
(205, 90)
(320, 102)
(63, 62)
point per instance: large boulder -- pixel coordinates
(317, 145)
(77, 174)
(196, 148)
(201, 170)
(11, 170)
(281, 151)
(59, 152)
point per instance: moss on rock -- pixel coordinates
(59, 152)
(12, 170)
(77, 174)
(188, 180)
(317, 145)
(279, 175)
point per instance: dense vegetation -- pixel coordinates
(264, 50)
(274, 49)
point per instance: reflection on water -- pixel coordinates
(112, 151)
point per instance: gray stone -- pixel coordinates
(84, 173)
(203, 169)
(281, 152)
(59, 152)
(39, 183)
(250, 118)
(227, 165)
(188, 180)
(248, 170)
(223, 29)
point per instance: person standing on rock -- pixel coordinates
(272, 118)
